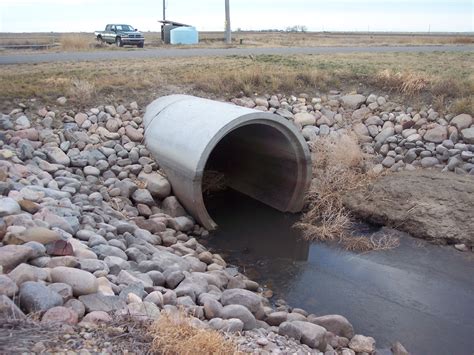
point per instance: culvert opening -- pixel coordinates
(256, 160)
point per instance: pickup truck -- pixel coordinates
(120, 35)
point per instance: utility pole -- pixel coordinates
(228, 34)
(164, 10)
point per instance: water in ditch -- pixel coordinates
(419, 294)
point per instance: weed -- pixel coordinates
(175, 334)
(75, 42)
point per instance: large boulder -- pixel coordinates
(7, 286)
(308, 333)
(9, 310)
(353, 101)
(362, 344)
(39, 234)
(239, 312)
(245, 298)
(36, 297)
(172, 207)
(157, 184)
(336, 324)
(462, 121)
(13, 255)
(82, 282)
(436, 134)
(468, 135)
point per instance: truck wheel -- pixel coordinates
(99, 39)
(118, 42)
(140, 45)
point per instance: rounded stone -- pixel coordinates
(82, 282)
(62, 315)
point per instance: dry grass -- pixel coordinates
(75, 42)
(366, 244)
(174, 334)
(81, 91)
(338, 167)
(225, 77)
(407, 83)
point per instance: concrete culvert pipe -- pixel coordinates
(260, 154)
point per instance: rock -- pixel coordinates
(172, 207)
(182, 224)
(312, 335)
(353, 101)
(388, 162)
(8, 206)
(362, 344)
(157, 184)
(25, 272)
(100, 302)
(134, 134)
(143, 311)
(398, 349)
(64, 290)
(13, 255)
(57, 156)
(76, 306)
(143, 196)
(468, 135)
(62, 315)
(7, 286)
(436, 135)
(360, 129)
(461, 247)
(9, 310)
(91, 170)
(92, 265)
(59, 248)
(429, 162)
(336, 324)
(156, 298)
(276, 318)
(36, 297)
(96, 318)
(462, 121)
(305, 119)
(82, 282)
(239, 312)
(390, 198)
(104, 250)
(245, 298)
(384, 134)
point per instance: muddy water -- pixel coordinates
(419, 294)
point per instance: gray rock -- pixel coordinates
(336, 324)
(388, 162)
(468, 135)
(308, 333)
(310, 133)
(429, 162)
(384, 134)
(239, 312)
(82, 282)
(462, 121)
(8, 206)
(7, 286)
(353, 101)
(436, 135)
(362, 344)
(103, 250)
(143, 311)
(143, 196)
(305, 119)
(164, 259)
(172, 207)
(276, 318)
(57, 156)
(157, 277)
(157, 184)
(245, 298)
(99, 302)
(9, 310)
(25, 272)
(64, 290)
(13, 255)
(36, 297)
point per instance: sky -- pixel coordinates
(208, 15)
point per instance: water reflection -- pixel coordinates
(417, 293)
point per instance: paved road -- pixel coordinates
(212, 52)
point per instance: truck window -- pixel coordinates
(107, 28)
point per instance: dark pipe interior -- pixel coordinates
(258, 161)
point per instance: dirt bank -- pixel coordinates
(427, 204)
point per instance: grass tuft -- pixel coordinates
(81, 91)
(75, 42)
(175, 334)
(338, 167)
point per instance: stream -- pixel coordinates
(419, 294)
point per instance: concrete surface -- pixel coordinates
(132, 53)
(261, 154)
